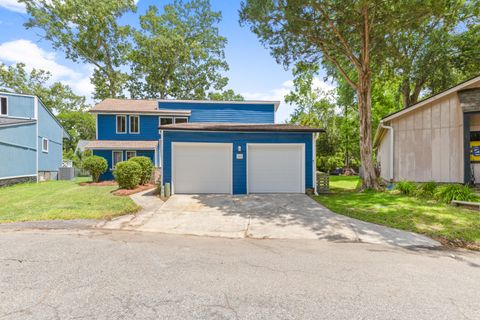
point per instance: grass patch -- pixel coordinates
(458, 226)
(66, 200)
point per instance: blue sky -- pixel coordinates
(253, 72)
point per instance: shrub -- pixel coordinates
(95, 165)
(405, 187)
(449, 192)
(147, 167)
(127, 174)
(426, 189)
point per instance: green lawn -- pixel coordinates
(61, 200)
(460, 227)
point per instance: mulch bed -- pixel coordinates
(127, 192)
(120, 192)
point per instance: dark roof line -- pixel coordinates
(4, 121)
(238, 127)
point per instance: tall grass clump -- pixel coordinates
(449, 192)
(405, 187)
(426, 190)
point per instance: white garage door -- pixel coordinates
(274, 168)
(202, 167)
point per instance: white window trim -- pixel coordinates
(175, 121)
(3, 114)
(43, 144)
(165, 117)
(116, 123)
(113, 157)
(130, 151)
(130, 123)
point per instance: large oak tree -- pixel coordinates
(352, 35)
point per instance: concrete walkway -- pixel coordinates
(272, 216)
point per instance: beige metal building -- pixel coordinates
(431, 140)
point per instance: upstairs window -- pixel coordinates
(121, 124)
(45, 145)
(3, 106)
(181, 119)
(134, 124)
(166, 120)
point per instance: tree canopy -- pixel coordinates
(87, 31)
(178, 53)
(356, 38)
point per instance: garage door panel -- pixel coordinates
(276, 168)
(202, 168)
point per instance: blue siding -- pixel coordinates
(238, 139)
(224, 112)
(107, 154)
(18, 151)
(20, 106)
(107, 128)
(49, 128)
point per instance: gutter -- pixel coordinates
(392, 136)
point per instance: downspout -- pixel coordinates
(314, 149)
(392, 136)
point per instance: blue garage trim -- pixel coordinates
(107, 154)
(239, 139)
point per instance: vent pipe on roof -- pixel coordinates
(392, 132)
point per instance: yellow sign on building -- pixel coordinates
(475, 151)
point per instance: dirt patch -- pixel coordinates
(127, 192)
(101, 183)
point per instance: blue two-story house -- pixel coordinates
(231, 147)
(31, 140)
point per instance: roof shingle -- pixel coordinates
(129, 105)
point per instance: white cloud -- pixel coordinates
(278, 94)
(13, 5)
(35, 57)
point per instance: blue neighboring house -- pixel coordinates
(231, 147)
(31, 140)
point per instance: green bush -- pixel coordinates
(449, 192)
(405, 187)
(127, 174)
(426, 189)
(147, 167)
(95, 165)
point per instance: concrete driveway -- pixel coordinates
(272, 216)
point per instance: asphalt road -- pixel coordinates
(127, 275)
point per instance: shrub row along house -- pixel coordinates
(231, 147)
(437, 139)
(31, 140)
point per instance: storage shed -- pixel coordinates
(435, 139)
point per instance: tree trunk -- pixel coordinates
(406, 93)
(364, 96)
